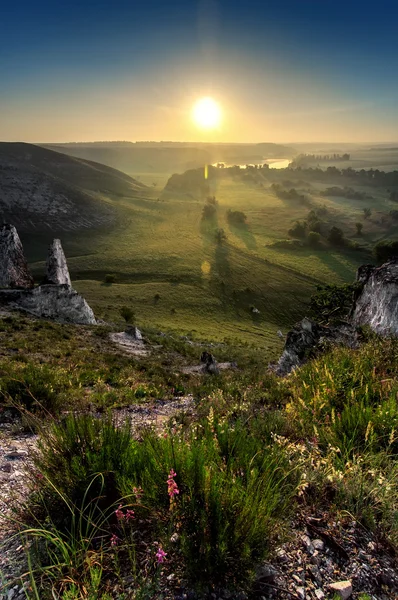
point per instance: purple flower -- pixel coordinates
(114, 540)
(161, 555)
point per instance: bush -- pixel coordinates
(127, 313)
(236, 217)
(336, 237)
(314, 239)
(359, 228)
(208, 211)
(333, 301)
(110, 278)
(33, 388)
(299, 229)
(220, 236)
(386, 250)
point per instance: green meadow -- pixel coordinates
(168, 267)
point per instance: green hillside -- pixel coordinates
(165, 259)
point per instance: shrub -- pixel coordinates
(336, 237)
(208, 211)
(367, 213)
(386, 250)
(359, 227)
(314, 239)
(333, 301)
(220, 236)
(33, 388)
(299, 229)
(127, 313)
(236, 217)
(110, 278)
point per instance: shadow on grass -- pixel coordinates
(208, 230)
(243, 233)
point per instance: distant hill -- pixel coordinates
(170, 157)
(45, 190)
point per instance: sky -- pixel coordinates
(281, 71)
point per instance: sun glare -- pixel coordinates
(206, 113)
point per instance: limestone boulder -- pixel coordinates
(14, 272)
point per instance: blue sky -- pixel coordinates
(281, 71)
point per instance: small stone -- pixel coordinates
(300, 591)
(342, 588)
(266, 573)
(174, 538)
(318, 544)
(307, 543)
(319, 594)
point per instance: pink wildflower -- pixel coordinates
(130, 515)
(161, 555)
(119, 513)
(172, 487)
(114, 540)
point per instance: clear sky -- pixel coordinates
(282, 71)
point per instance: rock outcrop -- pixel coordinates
(14, 272)
(58, 302)
(57, 268)
(209, 363)
(54, 299)
(377, 303)
(307, 339)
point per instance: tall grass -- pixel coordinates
(234, 490)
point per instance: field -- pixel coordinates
(171, 271)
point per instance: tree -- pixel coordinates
(359, 227)
(366, 213)
(236, 217)
(313, 239)
(299, 229)
(209, 210)
(220, 236)
(336, 237)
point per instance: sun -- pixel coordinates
(206, 113)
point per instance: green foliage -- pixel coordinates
(359, 228)
(299, 229)
(233, 488)
(336, 237)
(127, 313)
(333, 301)
(367, 213)
(32, 388)
(385, 250)
(209, 211)
(314, 239)
(236, 217)
(110, 278)
(221, 236)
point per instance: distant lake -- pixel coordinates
(278, 163)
